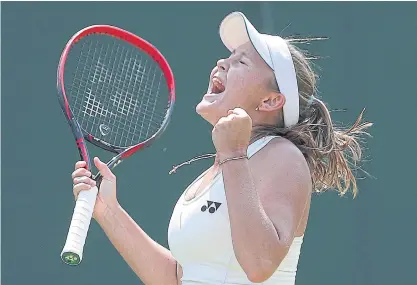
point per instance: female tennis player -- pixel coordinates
(243, 220)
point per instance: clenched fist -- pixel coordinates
(231, 135)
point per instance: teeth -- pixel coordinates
(217, 82)
(218, 86)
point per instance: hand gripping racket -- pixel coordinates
(117, 92)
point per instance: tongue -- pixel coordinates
(217, 87)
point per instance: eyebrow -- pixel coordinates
(241, 52)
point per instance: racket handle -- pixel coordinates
(72, 253)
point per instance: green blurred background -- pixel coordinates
(370, 61)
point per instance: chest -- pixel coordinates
(201, 184)
(200, 226)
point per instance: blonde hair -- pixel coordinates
(332, 152)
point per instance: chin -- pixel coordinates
(207, 111)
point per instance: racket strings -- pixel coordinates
(119, 101)
(93, 106)
(116, 91)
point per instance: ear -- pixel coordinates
(273, 102)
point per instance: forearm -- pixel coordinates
(152, 262)
(255, 240)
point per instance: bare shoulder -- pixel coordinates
(282, 178)
(280, 154)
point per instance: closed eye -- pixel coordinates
(242, 62)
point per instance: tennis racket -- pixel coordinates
(117, 92)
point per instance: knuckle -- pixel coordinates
(81, 179)
(74, 188)
(79, 164)
(81, 187)
(76, 173)
(76, 192)
(81, 172)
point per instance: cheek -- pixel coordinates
(237, 79)
(244, 87)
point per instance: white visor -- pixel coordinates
(236, 30)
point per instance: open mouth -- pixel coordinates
(217, 86)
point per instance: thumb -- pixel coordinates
(239, 111)
(104, 169)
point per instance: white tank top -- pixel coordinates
(200, 240)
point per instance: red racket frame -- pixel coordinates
(79, 135)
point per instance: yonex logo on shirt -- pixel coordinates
(211, 206)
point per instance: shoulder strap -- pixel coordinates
(259, 144)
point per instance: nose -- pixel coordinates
(223, 65)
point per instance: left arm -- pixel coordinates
(266, 197)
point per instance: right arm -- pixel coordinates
(151, 262)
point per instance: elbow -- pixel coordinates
(260, 273)
(260, 266)
(258, 276)
(263, 268)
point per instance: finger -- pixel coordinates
(80, 164)
(104, 169)
(232, 116)
(84, 180)
(239, 111)
(80, 187)
(81, 172)
(221, 120)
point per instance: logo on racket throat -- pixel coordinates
(104, 130)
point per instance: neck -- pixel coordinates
(273, 119)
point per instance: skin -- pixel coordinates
(247, 81)
(268, 196)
